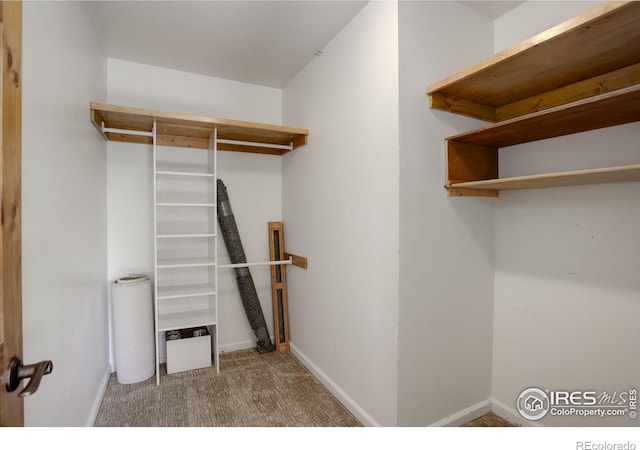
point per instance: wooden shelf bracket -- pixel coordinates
(298, 261)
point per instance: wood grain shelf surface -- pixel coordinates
(605, 110)
(190, 131)
(581, 75)
(595, 52)
(618, 174)
(472, 157)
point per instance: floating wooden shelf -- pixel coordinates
(606, 110)
(581, 75)
(559, 179)
(593, 53)
(183, 130)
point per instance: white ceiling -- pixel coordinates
(259, 42)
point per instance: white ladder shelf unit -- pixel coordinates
(179, 306)
(174, 304)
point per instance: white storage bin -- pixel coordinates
(188, 353)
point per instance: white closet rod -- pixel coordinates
(268, 263)
(132, 132)
(256, 144)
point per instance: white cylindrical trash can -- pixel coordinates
(134, 347)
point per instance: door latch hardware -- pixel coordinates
(16, 372)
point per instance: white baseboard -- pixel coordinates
(332, 386)
(93, 414)
(511, 414)
(242, 345)
(466, 415)
(481, 408)
(235, 346)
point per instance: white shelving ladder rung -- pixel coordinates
(172, 173)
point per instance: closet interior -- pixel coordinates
(185, 216)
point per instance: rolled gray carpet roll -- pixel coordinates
(244, 280)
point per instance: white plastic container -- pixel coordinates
(189, 353)
(134, 344)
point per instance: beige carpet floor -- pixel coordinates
(490, 420)
(252, 390)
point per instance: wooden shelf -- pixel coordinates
(581, 75)
(619, 174)
(473, 156)
(183, 130)
(593, 53)
(605, 110)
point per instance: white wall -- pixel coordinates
(567, 290)
(64, 213)
(340, 209)
(253, 181)
(534, 17)
(446, 243)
